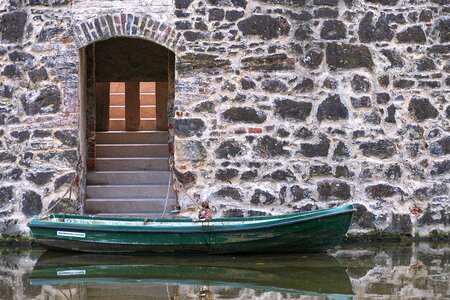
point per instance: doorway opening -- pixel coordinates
(128, 94)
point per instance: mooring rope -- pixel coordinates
(75, 181)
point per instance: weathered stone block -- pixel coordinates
(21, 136)
(384, 2)
(226, 174)
(360, 84)
(361, 102)
(262, 197)
(394, 58)
(306, 85)
(414, 34)
(268, 147)
(67, 137)
(372, 117)
(363, 218)
(247, 83)
(440, 147)
(216, 14)
(12, 26)
(401, 224)
(422, 109)
(189, 127)
(6, 195)
(333, 30)
(31, 203)
(7, 157)
(6, 91)
(381, 149)
(425, 64)
(369, 31)
(292, 110)
(444, 29)
(316, 150)
(303, 32)
(341, 152)
(270, 63)
(40, 178)
(299, 193)
(190, 150)
(332, 109)
(229, 149)
(394, 172)
(46, 101)
(201, 61)
(267, 27)
(325, 2)
(244, 115)
(440, 168)
(383, 190)
(326, 13)
(11, 71)
(249, 175)
(234, 15)
(37, 75)
(20, 56)
(229, 192)
(313, 58)
(346, 56)
(280, 175)
(207, 106)
(274, 86)
(182, 4)
(383, 98)
(320, 170)
(303, 133)
(333, 189)
(343, 171)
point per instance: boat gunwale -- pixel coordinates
(187, 220)
(197, 229)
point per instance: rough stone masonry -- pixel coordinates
(280, 105)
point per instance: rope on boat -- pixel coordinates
(177, 184)
(75, 181)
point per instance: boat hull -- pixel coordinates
(314, 234)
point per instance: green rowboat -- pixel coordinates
(298, 274)
(315, 231)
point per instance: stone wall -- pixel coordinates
(279, 105)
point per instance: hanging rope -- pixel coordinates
(75, 182)
(177, 184)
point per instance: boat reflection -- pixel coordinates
(212, 277)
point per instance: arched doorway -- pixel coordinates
(127, 90)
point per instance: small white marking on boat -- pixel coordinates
(71, 234)
(71, 272)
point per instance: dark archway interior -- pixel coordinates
(128, 59)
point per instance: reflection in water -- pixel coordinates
(297, 275)
(351, 272)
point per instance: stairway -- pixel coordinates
(132, 175)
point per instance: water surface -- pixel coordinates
(356, 271)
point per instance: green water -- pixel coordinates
(356, 271)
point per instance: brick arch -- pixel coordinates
(142, 26)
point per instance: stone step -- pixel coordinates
(138, 205)
(132, 164)
(131, 150)
(128, 191)
(131, 137)
(127, 177)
